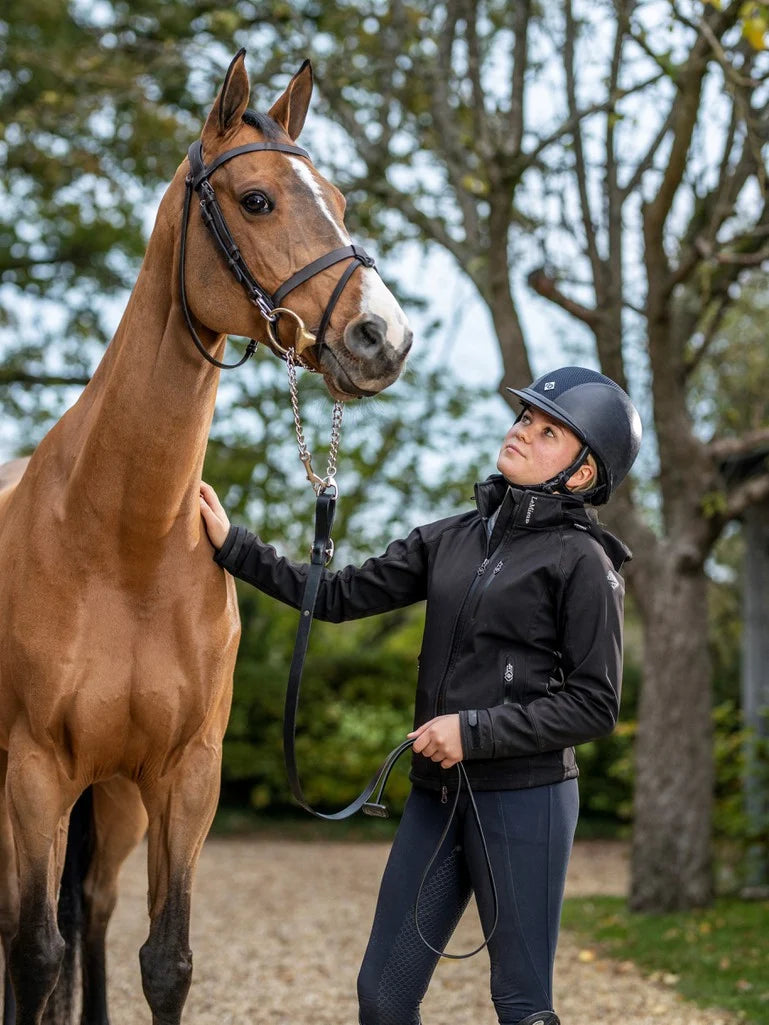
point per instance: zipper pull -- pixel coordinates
(482, 568)
(444, 795)
(498, 566)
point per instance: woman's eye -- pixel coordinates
(256, 203)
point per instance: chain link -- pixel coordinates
(333, 448)
(318, 483)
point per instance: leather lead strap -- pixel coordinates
(324, 518)
(321, 548)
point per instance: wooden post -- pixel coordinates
(755, 675)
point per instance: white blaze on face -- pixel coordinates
(308, 179)
(376, 299)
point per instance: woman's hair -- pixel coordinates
(591, 482)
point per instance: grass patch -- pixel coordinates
(716, 957)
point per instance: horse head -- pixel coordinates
(272, 235)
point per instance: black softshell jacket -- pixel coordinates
(523, 626)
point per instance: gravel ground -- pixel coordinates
(279, 928)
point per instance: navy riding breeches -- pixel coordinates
(529, 835)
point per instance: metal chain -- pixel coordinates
(318, 483)
(333, 448)
(291, 367)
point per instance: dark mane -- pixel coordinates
(270, 129)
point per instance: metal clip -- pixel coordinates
(317, 482)
(303, 338)
(379, 811)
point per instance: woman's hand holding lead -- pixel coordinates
(214, 516)
(440, 740)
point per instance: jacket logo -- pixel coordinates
(530, 510)
(613, 582)
(549, 385)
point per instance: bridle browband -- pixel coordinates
(269, 306)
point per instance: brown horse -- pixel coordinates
(119, 633)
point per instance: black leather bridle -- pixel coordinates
(269, 305)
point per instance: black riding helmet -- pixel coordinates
(602, 416)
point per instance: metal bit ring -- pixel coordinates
(303, 338)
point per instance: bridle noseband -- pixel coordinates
(269, 306)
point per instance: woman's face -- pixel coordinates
(536, 448)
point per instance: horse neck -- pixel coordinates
(141, 426)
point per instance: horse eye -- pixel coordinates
(256, 203)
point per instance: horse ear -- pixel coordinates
(232, 100)
(291, 109)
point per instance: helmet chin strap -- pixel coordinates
(558, 483)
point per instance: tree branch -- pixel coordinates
(647, 160)
(580, 169)
(696, 356)
(476, 88)
(722, 448)
(745, 495)
(609, 298)
(454, 152)
(568, 126)
(432, 227)
(521, 15)
(543, 284)
(712, 210)
(684, 112)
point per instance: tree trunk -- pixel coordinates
(755, 679)
(672, 866)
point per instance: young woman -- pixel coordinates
(521, 660)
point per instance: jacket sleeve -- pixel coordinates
(390, 581)
(586, 706)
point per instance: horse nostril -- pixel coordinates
(367, 337)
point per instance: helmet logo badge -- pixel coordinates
(549, 385)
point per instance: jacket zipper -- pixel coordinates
(487, 583)
(459, 625)
(509, 681)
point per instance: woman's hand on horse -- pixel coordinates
(440, 740)
(214, 517)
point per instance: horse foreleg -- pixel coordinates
(38, 805)
(120, 822)
(9, 894)
(181, 808)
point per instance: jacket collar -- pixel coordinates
(530, 509)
